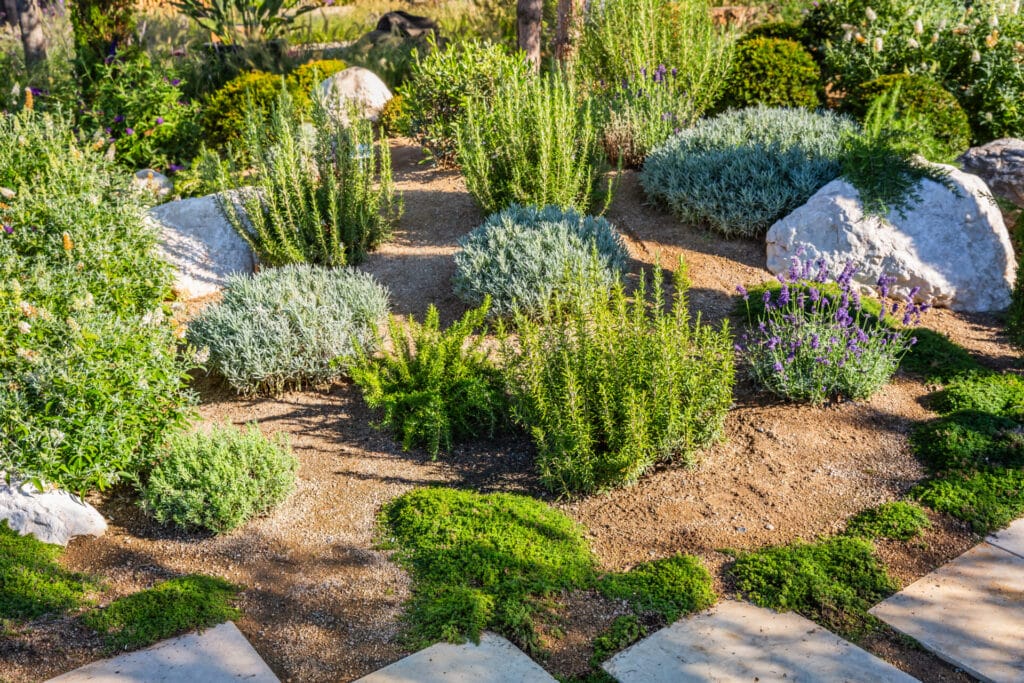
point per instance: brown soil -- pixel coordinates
(322, 604)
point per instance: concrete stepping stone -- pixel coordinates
(217, 654)
(969, 612)
(1010, 539)
(494, 660)
(737, 641)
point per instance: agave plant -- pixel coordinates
(239, 22)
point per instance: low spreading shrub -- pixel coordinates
(166, 610)
(742, 170)
(967, 440)
(813, 346)
(218, 480)
(327, 200)
(1015, 315)
(988, 498)
(482, 561)
(622, 633)
(288, 327)
(668, 588)
(773, 72)
(442, 81)
(435, 388)
(609, 386)
(91, 380)
(898, 521)
(833, 581)
(928, 117)
(536, 141)
(32, 582)
(995, 394)
(521, 256)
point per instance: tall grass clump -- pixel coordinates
(90, 380)
(742, 170)
(289, 327)
(320, 195)
(608, 385)
(534, 142)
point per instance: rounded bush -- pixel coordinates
(220, 480)
(522, 255)
(306, 77)
(783, 30)
(929, 117)
(742, 170)
(394, 117)
(773, 72)
(290, 326)
(223, 115)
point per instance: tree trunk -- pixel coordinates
(32, 37)
(529, 15)
(10, 13)
(567, 30)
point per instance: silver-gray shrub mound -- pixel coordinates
(290, 326)
(741, 171)
(521, 255)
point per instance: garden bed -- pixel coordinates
(322, 603)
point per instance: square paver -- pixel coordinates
(1010, 539)
(969, 612)
(494, 660)
(737, 641)
(218, 654)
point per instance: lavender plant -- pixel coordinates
(814, 343)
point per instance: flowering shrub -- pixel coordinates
(811, 346)
(743, 170)
(289, 327)
(90, 378)
(521, 256)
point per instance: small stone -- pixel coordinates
(157, 183)
(53, 516)
(769, 527)
(354, 88)
(741, 529)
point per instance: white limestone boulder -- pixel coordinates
(354, 89)
(197, 239)
(952, 244)
(1000, 164)
(54, 516)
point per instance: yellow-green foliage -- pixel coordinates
(306, 77)
(394, 117)
(773, 72)
(224, 112)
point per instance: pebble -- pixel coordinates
(769, 527)
(741, 529)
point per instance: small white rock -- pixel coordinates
(52, 517)
(157, 183)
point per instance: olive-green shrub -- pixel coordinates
(773, 72)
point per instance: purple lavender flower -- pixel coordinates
(175, 82)
(129, 131)
(118, 119)
(159, 120)
(743, 292)
(767, 297)
(784, 295)
(9, 229)
(777, 367)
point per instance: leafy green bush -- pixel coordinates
(91, 378)
(32, 582)
(624, 40)
(442, 81)
(394, 117)
(781, 30)
(670, 587)
(772, 72)
(928, 117)
(899, 521)
(534, 142)
(743, 170)
(482, 561)
(288, 327)
(306, 77)
(989, 498)
(1001, 395)
(166, 610)
(967, 440)
(139, 108)
(622, 633)
(218, 481)
(326, 200)
(521, 256)
(435, 388)
(608, 386)
(833, 581)
(224, 117)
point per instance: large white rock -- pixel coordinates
(201, 244)
(953, 245)
(1000, 164)
(354, 88)
(53, 517)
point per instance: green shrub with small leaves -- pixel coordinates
(987, 498)
(218, 480)
(305, 78)
(394, 119)
(1000, 395)
(32, 582)
(482, 561)
(742, 170)
(224, 112)
(536, 141)
(669, 588)
(928, 117)
(609, 385)
(435, 387)
(773, 72)
(898, 521)
(289, 327)
(523, 255)
(442, 81)
(168, 609)
(622, 633)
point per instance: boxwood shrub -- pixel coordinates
(774, 72)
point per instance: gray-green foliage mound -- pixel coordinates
(218, 481)
(289, 327)
(741, 171)
(522, 255)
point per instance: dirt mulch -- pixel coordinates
(322, 604)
